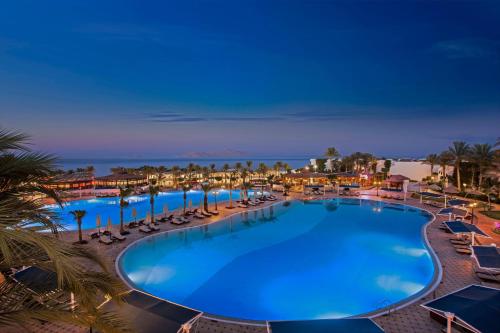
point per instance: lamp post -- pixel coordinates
(377, 184)
(215, 193)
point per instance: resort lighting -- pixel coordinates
(472, 206)
(377, 183)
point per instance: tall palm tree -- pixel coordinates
(445, 158)
(29, 236)
(225, 169)
(153, 191)
(124, 193)
(185, 189)
(459, 151)
(483, 155)
(205, 186)
(175, 174)
(332, 153)
(287, 167)
(78, 215)
(432, 160)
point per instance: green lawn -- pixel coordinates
(494, 214)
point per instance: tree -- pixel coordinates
(445, 158)
(124, 193)
(432, 160)
(78, 215)
(206, 189)
(459, 151)
(332, 153)
(185, 189)
(153, 190)
(387, 167)
(29, 236)
(175, 174)
(482, 155)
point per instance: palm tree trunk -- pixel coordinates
(185, 197)
(472, 177)
(480, 176)
(205, 202)
(80, 237)
(121, 219)
(230, 193)
(459, 184)
(152, 202)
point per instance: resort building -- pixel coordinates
(120, 180)
(414, 169)
(73, 181)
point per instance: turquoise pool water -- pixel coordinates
(110, 207)
(291, 261)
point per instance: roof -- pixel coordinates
(457, 202)
(397, 179)
(306, 175)
(121, 176)
(73, 177)
(474, 307)
(147, 313)
(38, 280)
(487, 256)
(459, 227)
(358, 325)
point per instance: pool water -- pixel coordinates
(290, 261)
(110, 207)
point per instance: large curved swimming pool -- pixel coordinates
(290, 261)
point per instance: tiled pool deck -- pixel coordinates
(457, 273)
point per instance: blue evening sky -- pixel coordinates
(288, 78)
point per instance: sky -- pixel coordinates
(161, 79)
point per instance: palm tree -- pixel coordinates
(332, 153)
(29, 236)
(206, 189)
(175, 175)
(287, 167)
(78, 215)
(225, 168)
(459, 151)
(185, 189)
(249, 168)
(153, 190)
(445, 158)
(432, 160)
(483, 155)
(124, 193)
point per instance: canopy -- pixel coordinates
(475, 307)
(457, 202)
(430, 194)
(459, 227)
(452, 211)
(358, 325)
(487, 257)
(38, 280)
(147, 313)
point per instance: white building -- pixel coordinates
(415, 170)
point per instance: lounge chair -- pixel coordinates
(153, 227)
(198, 215)
(132, 225)
(105, 240)
(241, 205)
(204, 213)
(145, 229)
(117, 236)
(94, 235)
(463, 250)
(214, 212)
(493, 277)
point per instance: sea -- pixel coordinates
(103, 165)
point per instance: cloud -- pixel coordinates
(472, 48)
(174, 117)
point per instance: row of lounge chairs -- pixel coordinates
(463, 245)
(433, 203)
(393, 197)
(256, 201)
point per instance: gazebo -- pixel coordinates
(396, 181)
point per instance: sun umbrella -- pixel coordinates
(165, 209)
(451, 189)
(148, 218)
(134, 214)
(241, 195)
(435, 187)
(109, 226)
(190, 204)
(98, 223)
(201, 205)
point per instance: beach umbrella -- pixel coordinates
(109, 226)
(201, 205)
(190, 204)
(241, 195)
(451, 189)
(134, 214)
(435, 187)
(98, 223)
(148, 218)
(165, 209)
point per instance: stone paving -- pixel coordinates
(457, 273)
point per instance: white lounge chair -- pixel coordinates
(145, 229)
(153, 227)
(105, 240)
(117, 236)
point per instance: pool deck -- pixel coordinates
(457, 271)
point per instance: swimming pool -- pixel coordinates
(110, 207)
(290, 261)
